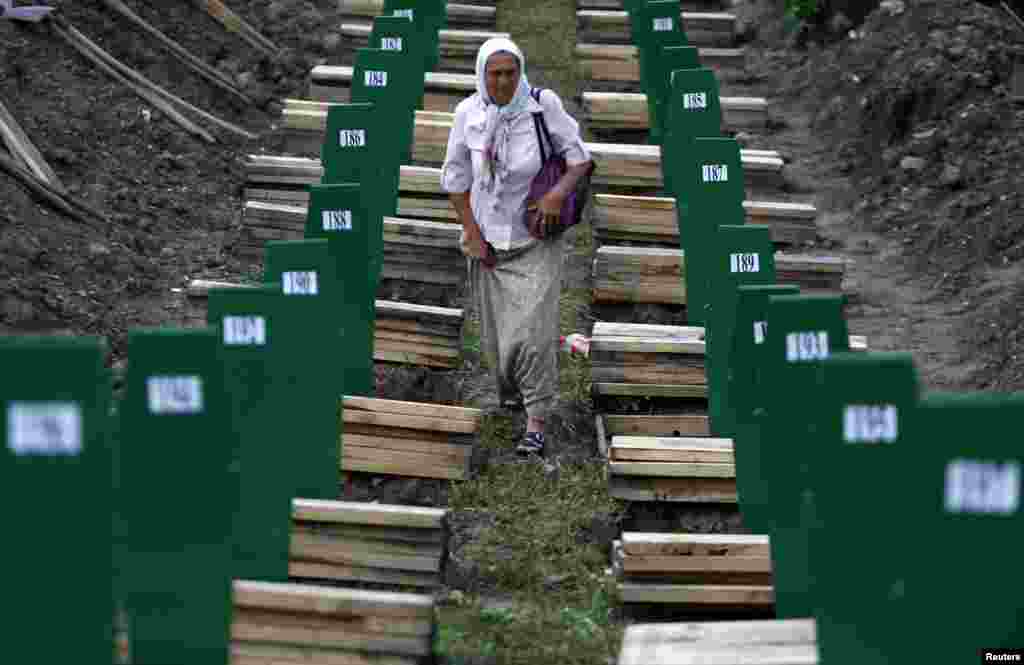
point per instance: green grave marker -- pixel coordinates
(399, 34)
(357, 149)
(56, 478)
(742, 255)
(803, 330)
(655, 25)
(429, 18)
(179, 495)
(712, 180)
(669, 59)
(395, 88)
(257, 370)
(748, 396)
(331, 360)
(863, 404)
(355, 233)
(692, 110)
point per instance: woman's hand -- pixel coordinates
(547, 212)
(472, 239)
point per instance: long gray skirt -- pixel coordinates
(518, 305)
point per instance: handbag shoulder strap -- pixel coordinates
(541, 126)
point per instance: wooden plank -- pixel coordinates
(612, 329)
(450, 453)
(320, 549)
(654, 455)
(426, 409)
(671, 443)
(369, 624)
(648, 345)
(647, 373)
(299, 598)
(653, 563)
(372, 535)
(271, 633)
(650, 390)
(672, 469)
(681, 490)
(759, 654)
(396, 467)
(680, 425)
(777, 631)
(698, 595)
(309, 570)
(416, 359)
(349, 512)
(405, 433)
(434, 423)
(700, 544)
(248, 653)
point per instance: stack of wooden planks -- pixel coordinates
(407, 438)
(419, 335)
(414, 250)
(695, 571)
(611, 425)
(343, 542)
(639, 360)
(283, 180)
(612, 27)
(608, 112)
(682, 469)
(652, 220)
(282, 624)
(459, 15)
(442, 90)
(657, 274)
(458, 47)
(771, 642)
(620, 63)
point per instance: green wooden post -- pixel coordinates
(669, 59)
(257, 372)
(711, 185)
(802, 331)
(742, 255)
(179, 495)
(329, 361)
(56, 479)
(693, 110)
(748, 397)
(395, 88)
(862, 407)
(360, 148)
(399, 34)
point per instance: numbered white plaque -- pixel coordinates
(300, 283)
(174, 395)
(245, 330)
(337, 220)
(662, 23)
(391, 43)
(695, 101)
(870, 423)
(404, 13)
(982, 487)
(760, 331)
(352, 138)
(715, 172)
(745, 262)
(376, 79)
(804, 346)
(44, 428)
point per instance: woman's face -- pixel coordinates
(502, 75)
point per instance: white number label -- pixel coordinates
(803, 346)
(863, 423)
(172, 395)
(404, 13)
(245, 331)
(376, 79)
(663, 24)
(352, 138)
(715, 172)
(44, 428)
(745, 263)
(984, 488)
(760, 331)
(337, 220)
(299, 283)
(695, 101)
(391, 43)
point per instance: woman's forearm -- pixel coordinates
(464, 212)
(572, 176)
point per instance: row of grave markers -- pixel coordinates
(218, 428)
(892, 516)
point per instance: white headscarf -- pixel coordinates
(499, 117)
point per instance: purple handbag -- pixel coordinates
(553, 167)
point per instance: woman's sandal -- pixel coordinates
(532, 445)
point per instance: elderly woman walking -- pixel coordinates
(515, 246)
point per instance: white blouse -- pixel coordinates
(500, 214)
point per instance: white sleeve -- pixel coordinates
(457, 171)
(565, 131)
